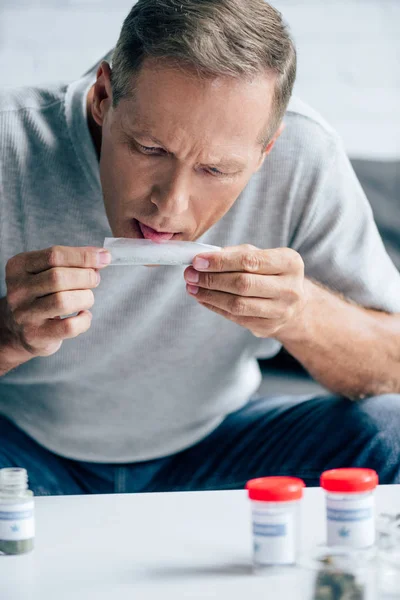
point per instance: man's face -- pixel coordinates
(176, 156)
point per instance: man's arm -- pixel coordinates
(351, 350)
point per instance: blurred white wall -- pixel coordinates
(349, 56)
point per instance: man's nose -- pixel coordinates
(171, 196)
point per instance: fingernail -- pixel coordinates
(98, 278)
(201, 263)
(192, 289)
(104, 258)
(192, 276)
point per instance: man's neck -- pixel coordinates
(94, 128)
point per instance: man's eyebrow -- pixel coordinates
(224, 162)
(229, 163)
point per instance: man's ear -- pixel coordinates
(102, 93)
(271, 144)
(276, 136)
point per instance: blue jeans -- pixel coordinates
(299, 436)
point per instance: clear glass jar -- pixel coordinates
(350, 506)
(388, 530)
(17, 524)
(275, 504)
(338, 573)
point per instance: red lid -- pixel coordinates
(349, 480)
(275, 489)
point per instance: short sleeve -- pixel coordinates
(338, 239)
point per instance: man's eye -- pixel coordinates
(215, 171)
(150, 149)
(157, 150)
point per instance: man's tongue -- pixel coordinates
(151, 234)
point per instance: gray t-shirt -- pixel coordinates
(157, 372)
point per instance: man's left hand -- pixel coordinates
(261, 290)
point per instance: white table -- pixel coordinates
(153, 546)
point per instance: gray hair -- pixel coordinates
(228, 38)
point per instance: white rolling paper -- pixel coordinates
(127, 251)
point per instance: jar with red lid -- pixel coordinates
(350, 506)
(276, 520)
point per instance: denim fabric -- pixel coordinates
(299, 436)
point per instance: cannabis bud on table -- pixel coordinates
(336, 584)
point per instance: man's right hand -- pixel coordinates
(43, 286)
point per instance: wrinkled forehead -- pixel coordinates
(171, 103)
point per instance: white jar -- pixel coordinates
(350, 506)
(17, 525)
(276, 520)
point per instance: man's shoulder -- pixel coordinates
(307, 143)
(28, 116)
(29, 99)
(300, 116)
(303, 152)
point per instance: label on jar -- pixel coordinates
(274, 537)
(17, 521)
(351, 521)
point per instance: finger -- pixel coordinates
(57, 305)
(219, 311)
(249, 259)
(250, 323)
(64, 256)
(242, 284)
(238, 305)
(67, 328)
(60, 279)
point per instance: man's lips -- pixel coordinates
(155, 236)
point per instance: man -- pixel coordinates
(189, 134)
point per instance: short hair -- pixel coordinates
(228, 38)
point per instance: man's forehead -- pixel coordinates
(176, 106)
(138, 128)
